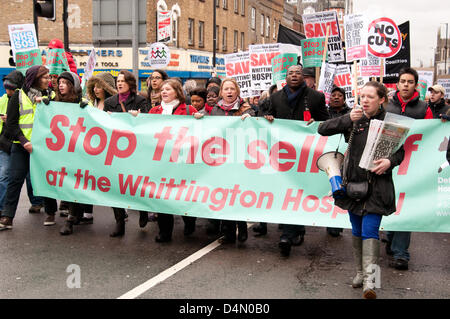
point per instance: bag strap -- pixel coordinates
(346, 158)
(123, 107)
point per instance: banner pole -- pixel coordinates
(324, 56)
(382, 71)
(355, 80)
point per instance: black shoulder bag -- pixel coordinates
(354, 190)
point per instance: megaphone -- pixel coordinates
(331, 163)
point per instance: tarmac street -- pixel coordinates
(37, 262)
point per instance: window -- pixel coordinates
(242, 41)
(217, 37)
(262, 24)
(267, 26)
(201, 34)
(236, 6)
(217, 3)
(253, 18)
(236, 39)
(224, 39)
(225, 4)
(274, 29)
(191, 27)
(242, 7)
(112, 23)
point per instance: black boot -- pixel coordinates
(242, 231)
(189, 225)
(67, 229)
(119, 214)
(143, 219)
(165, 224)
(261, 229)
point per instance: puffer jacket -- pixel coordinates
(381, 198)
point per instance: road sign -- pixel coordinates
(384, 38)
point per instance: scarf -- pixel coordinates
(123, 97)
(292, 96)
(228, 107)
(404, 103)
(293, 100)
(33, 94)
(208, 108)
(168, 107)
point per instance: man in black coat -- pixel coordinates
(298, 102)
(437, 101)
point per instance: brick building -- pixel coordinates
(107, 26)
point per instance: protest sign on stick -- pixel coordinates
(355, 37)
(261, 64)
(25, 46)
(318, 24)
(237, 66)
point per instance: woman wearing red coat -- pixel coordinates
(173, 102)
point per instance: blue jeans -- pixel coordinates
(399, 243)
(366, 226)
(4, 172)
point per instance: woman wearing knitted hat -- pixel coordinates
(69, 91)
(21, 110)
(100, 87)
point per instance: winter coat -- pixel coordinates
(134, 102)
(181, 109)
(308, 99)
(415, 108)
(333, 113)
(438, 108)
(103, 80)
(381, 198)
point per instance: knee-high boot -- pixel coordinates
(357, 256)
(370, 254)
(119, 214)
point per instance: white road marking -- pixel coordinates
(139, 290)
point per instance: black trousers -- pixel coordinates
(166, 221)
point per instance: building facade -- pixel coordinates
(108, 26)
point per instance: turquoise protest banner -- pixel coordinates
(26, 59)
(57, 61)
(222, 167)
(312, 52)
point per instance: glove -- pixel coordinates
(46, 101)
(83, 104)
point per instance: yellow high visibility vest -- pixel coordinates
(3, 106)
(26, 115)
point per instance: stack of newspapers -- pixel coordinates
(384, 138)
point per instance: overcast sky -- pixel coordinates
(425, 18)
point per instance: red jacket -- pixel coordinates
(180, 110)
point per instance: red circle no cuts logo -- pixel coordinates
(384, 38)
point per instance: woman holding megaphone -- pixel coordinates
(369, 194)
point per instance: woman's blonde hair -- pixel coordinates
(236, 85)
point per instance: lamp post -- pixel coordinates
(214, 36)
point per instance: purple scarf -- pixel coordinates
(124, 97)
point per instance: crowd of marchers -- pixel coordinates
(298, 100)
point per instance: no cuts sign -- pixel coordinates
(384, 38)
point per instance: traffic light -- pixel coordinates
(46, 9)
(11, 58)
